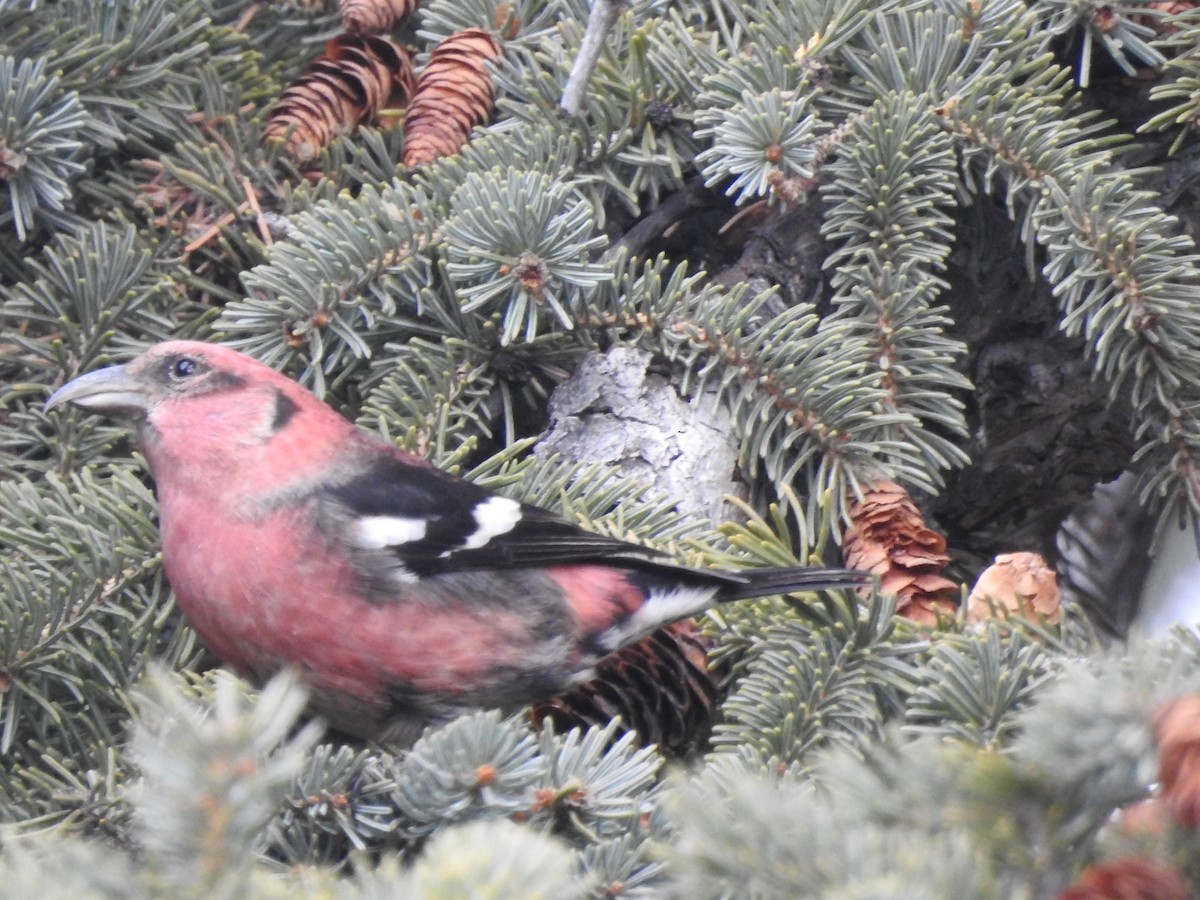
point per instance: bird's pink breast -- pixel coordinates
(271, 591)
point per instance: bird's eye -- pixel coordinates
(184, 367)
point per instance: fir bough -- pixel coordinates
(764, 138)
(537, 266)
(442, 306)
(41, 151)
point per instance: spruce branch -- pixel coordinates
(366, 158)
(636, 121)
(519, 248)
(98, 292)
(1181, 85)
(539, 147)
(623, 866)
(891, 187)
(90, 296)
(309, 296)
(973, 685)
(434, 401)
(478, 766)
(214, 200)
(41, 150)
(83, 793)
(762, 140)
(288, 33)
(588, 786)
(133, 63)
(1124, 279)
(776, 372)
(84, 605)
(490, 859)
(593, 784)
(770, 355)
(808, 32)
(508, 381)
(337, 805)
(808, 686)
(754, 75)
(81, 870)
(511, 22)
(1115, 27)
(775, 838)
(213, 774)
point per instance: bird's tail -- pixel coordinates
(677, 592)
(786, 580)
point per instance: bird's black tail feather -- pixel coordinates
(788, 579)
(676, 592)
(741, 584)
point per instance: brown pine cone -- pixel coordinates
(357, 77)
(660, 687)
(888, 536)
(1157, 15)
(374, 16)
(1020, 585)
(453, 94)
(1130, 878)
(1177, 730)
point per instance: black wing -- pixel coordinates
(434, 522)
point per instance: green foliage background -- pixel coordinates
(856, 756)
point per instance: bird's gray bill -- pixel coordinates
(112, 390)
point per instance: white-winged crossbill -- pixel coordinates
(403, 595)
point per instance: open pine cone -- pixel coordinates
(357, 77)
(1130, 878)
(888, 536)
(660, 687)
(1016, 584)
(1177, 730)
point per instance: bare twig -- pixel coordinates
(600, 22)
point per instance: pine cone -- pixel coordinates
(1156, 15)
(357, 77)
(888, 536)
(1177, 730)
(374, 16)
(660, 687)
(453, 95)
(1130, 878)
(1018, 585)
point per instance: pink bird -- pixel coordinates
(403, 595)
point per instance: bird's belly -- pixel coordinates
(272, 592)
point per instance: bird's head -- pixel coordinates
(168, 373)
(198, 402)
